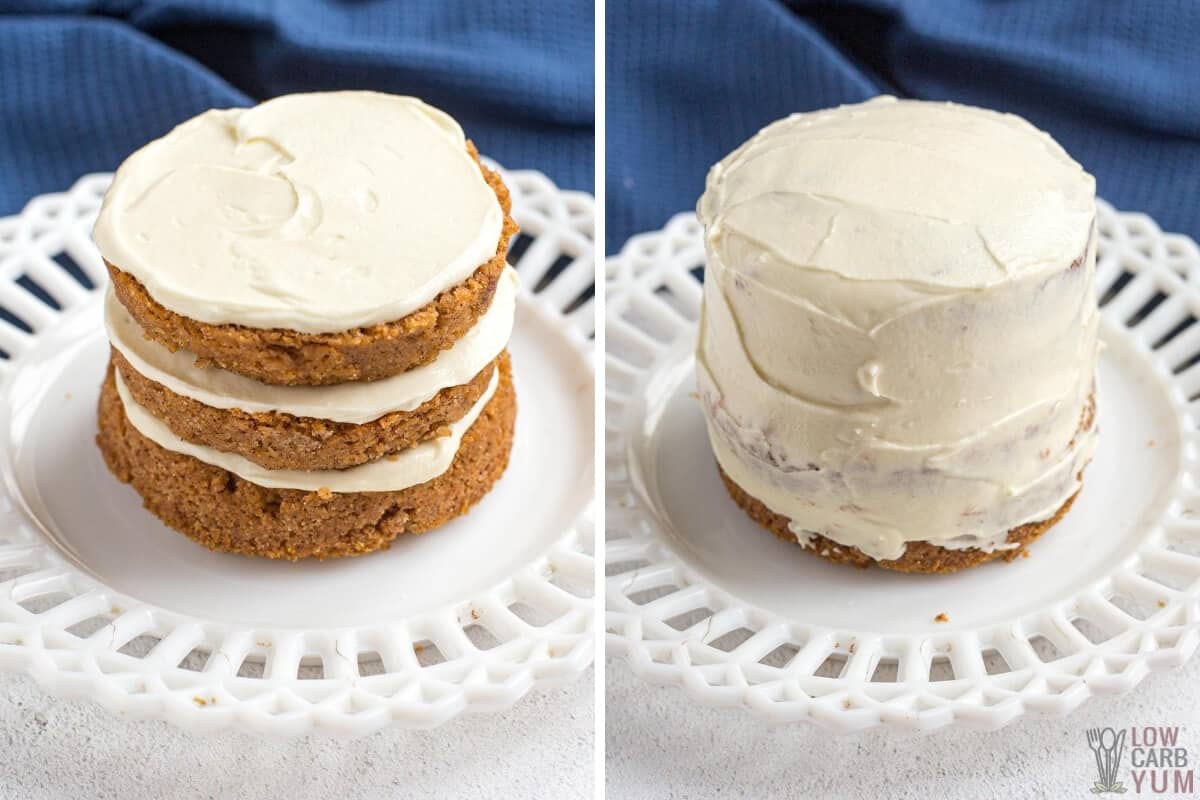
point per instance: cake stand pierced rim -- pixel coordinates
(133, 657)
(676, 626)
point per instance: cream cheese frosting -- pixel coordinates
(355, 402)
(314, 212)
(409, 467)
(898, 338)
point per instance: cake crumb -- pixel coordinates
(1162, 603)
(474, 613)
(942, 617)
(324, 493)
(200, 701)
(1150, 443)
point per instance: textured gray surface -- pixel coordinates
(662, 746)
(54, 749)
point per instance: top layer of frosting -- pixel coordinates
(312, 212)
(972, 197)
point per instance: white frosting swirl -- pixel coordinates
(895, 345)
(355, 402)
(409, 467)
(311, 212)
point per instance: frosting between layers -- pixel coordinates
(410, 467)
(355, 402)
(898, 337)
(315, 212)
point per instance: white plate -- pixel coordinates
(699, 596)
(98, 598)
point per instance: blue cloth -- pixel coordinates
(82, 84)
(1117, 83)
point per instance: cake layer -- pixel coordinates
(225, 512)
(315, 213)
(287, 357)
(394, 472)
(275, 440)
(912, 363)
(354, 402)
(918, 556)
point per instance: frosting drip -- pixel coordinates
(409, 467)
(312, 212)
(355, 402)
(898, 340)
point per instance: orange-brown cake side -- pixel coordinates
(225, 512)
(918, 556)
(277, 440)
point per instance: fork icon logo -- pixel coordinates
(1108, 746)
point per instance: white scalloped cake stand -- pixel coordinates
(699, 597)
(99, 599)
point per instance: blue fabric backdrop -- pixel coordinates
(82, 84)
(1117, 82)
